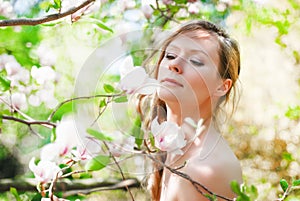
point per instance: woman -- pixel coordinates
(197, 70)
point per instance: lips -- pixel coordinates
(172, 82)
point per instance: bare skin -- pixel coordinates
(191, 87)
(210, 162)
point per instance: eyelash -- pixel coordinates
(171, 56)
(197, 63)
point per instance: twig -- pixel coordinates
(80, 98)
(102, 111)
(187, 177)
(41, 20)
(57, 176)
(120, 169)
(27, 122)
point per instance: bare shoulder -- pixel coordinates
(215, 169)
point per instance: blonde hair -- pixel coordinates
(229, 68)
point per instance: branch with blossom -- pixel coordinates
(48, 18)
(68, 150)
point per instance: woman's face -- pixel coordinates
(188, 73)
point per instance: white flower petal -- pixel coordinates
(126, 66)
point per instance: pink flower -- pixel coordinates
(80, 154)
(167, 1)
(44, 171)
(147, 10)
(168, 136)
(67, 137)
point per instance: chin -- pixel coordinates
(167, 95)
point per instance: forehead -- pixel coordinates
(198, 40)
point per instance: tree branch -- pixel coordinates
(80, 98)
(120, 169)
(71, 187)
(28, 123)
(41, 20)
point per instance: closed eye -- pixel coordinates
(170, 56)
(196, 62)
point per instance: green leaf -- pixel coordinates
(121, 99)
(4, 83)
(284, 184)
(253, 192)
(211, 197)
(97, 163)
(99, 135)
(15, 193)
(293, 113)
(37, 197)
(45, 5)
(64, 109)
(102, 103)
(287, 156)
(3, 17)
(108, 88)
(103, 26)
(235, 187)
(180, 2)
(57, 4)
(137, 132)
(296, 182)
(296, 56)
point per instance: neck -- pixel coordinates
(176, 114)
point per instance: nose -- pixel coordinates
(176, 67)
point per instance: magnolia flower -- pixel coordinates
(126, 66)
(194, 8)
(80, 154)
(66, 139)
(121, 144)
(168, 136)
(138, 81)
(146, 8)
(18, 100)
(15, 72)
(167, 1)
(43, 74)
(44, 171)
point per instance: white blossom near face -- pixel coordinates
(168, 136)
(44, 171)
(138, 81)
(67, 134)
(126, 66)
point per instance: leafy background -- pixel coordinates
(264, 131)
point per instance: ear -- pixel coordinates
(223, 88)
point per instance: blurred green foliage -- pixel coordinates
(100, 25)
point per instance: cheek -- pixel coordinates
(204, 82)
(162, 71)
